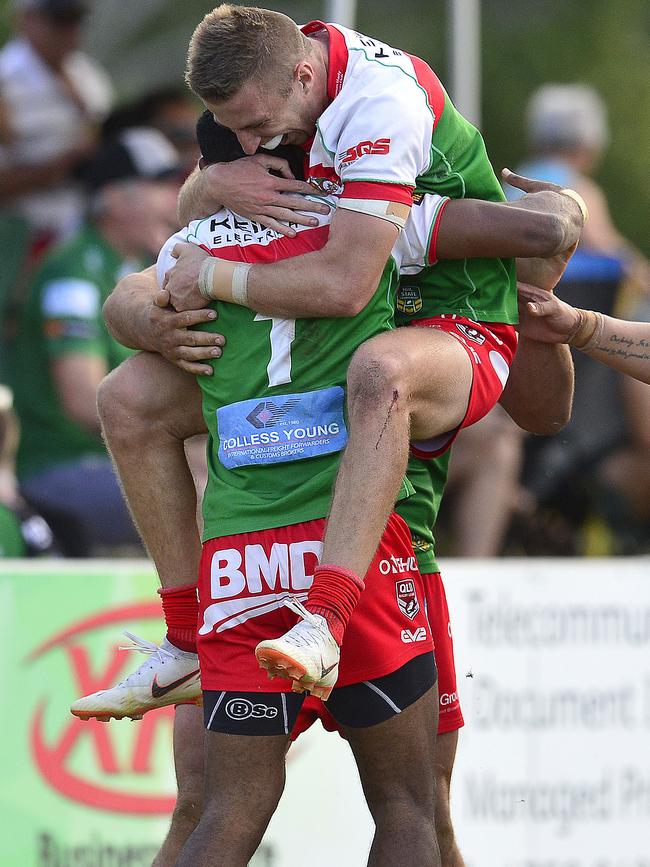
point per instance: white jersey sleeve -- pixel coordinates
(376, 132)
(416, 246)
(166, 261)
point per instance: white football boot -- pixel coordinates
(307, 654)
(168, 676)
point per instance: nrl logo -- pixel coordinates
(407, 599)
(409, 300)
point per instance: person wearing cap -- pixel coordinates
(52, 98)
(62, 349)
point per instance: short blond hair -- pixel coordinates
(236, 43)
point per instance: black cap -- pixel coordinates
(219, 144)
(140, 152)
(58, 10)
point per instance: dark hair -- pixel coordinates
(220, 145)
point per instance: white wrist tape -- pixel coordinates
(394, 212)
(577, 198)
(205, 278)
(240, 283)
(221, 280)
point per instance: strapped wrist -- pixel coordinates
(221, 280)
(589, 330)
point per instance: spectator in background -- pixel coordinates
(52, 99)
(23, 533)
(62, 349)
(567, 133)
(599, 467)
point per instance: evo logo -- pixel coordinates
(408, 637)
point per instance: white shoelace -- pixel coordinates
(141, 645)
(298, 608)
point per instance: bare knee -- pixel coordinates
(145, 394)
(376, 378)
(187, 812)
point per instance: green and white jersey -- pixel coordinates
(275, 404)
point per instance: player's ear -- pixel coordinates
(303, 74)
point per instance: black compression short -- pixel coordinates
(357, 706)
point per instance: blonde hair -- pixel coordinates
(236, 43)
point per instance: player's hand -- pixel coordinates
(544, 273)
(173, 339)
(529, 185)
(182, 281)
(247, 188)
(544, 317)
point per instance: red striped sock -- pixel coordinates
(334, 595)
(181, 609)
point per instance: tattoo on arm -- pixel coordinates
(626, 347)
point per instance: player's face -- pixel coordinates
(258, 114)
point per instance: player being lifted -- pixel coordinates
(378, 125)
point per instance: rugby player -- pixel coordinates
(171, 394)
(378, 125)
(275, 419)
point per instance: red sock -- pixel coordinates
(334, 595)
(181, 609)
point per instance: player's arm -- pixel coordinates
(620, 344)
(247, 187)
(336, 281)
(138, 315)
(72, 337)
(542, 223)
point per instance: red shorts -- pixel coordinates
(243, 580)
(491, 346)
(451, 717)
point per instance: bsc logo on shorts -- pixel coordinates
(409, 300)
(241, 709)
(407, 598)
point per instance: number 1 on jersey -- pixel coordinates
(283, 333)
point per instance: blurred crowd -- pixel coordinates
(88, 193)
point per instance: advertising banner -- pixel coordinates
(553, 658)
(553, 766)
(78, 793)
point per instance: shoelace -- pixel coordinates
(141, 645)
(298, 608)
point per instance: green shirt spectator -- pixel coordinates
(62, 349)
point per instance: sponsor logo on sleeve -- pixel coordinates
(378, 148)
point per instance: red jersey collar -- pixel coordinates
(338, 55)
